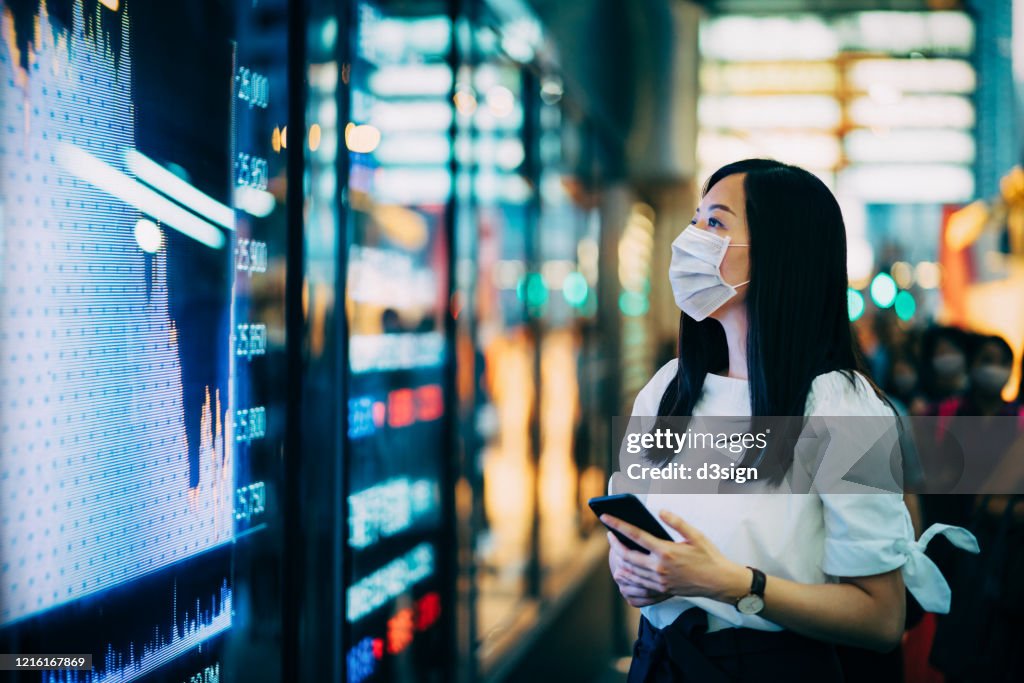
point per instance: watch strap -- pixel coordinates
(757, 584)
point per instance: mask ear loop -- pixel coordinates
(745, 282)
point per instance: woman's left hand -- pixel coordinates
(693, 567)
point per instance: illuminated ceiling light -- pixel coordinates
(416, 115)
(914, 111)
(402, 149)
(903, 274)
(361, 139)
(408, 186)
(769, 78)
(314, 137)
(913, 75)
(907, 183)
(412, 79)
(907, 32)
(149, 236)
(854, 304)
(905, 306)
(111, 4)
(883, 290)
(500, 101)
(927, 274)
(740, 38)
(808, 149)
(284, 137)
(775, 112)
(275, 139)
(884, 145)
(428, 36)
(884, 94)
(465, 101)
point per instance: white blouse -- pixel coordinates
(808, 538)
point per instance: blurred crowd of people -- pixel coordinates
(941, 369)
(947, 375)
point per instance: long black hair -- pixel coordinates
(796, 303)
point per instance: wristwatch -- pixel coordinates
(753, 602)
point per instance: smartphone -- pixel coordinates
(628, 508)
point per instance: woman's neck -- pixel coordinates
(734, 322)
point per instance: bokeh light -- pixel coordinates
(575, 289)
(883, 290)
(905, 305)
(854, 304)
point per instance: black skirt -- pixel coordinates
(684, 651)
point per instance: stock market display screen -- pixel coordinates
(142, 226)
(397, 295)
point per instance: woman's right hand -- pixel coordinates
(635, 595)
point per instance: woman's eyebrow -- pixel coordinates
(723, 207)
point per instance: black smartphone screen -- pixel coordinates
(628, 508)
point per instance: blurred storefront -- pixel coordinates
(906, 110)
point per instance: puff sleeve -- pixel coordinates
(871, 533)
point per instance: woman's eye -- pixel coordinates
(693, 221)
(714, 223)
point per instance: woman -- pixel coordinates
(943, 370)
(759, 587)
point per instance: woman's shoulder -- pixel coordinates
(845, 392)
(649, 398)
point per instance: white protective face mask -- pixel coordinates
(948, 364)
(695, 272)
(991, 378)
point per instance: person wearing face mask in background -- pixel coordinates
(942, 377)
(979, 640)
(942, 372)
(990, 370)
(902, 385)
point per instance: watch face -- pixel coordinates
(750, 604)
